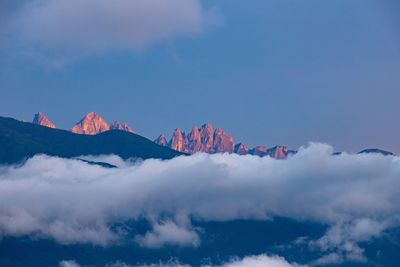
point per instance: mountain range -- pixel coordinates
(93, 124)
(21, 140)
(92, 135)
(207, 140)
(204, 139)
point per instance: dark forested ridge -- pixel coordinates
(21, 140)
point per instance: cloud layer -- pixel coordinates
(250, 261)
(74, 202)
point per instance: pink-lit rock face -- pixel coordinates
(122, 126)
(91, 124)
(278, 152)
(161, 140)
(241, 149)
(206, 138)
(185, 142)
(201, 140)
(194, 141)
(177, 141)
(41, 119)
(259, 151)
(209, 141)
(222, 142)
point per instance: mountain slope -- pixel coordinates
(41, 119)
(376, 151)
(20, 140)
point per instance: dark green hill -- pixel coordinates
(21, 140)
(376, 151)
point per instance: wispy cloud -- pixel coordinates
(169, 233)
(61, 31)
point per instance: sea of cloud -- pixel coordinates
(250, 261)
(70, 201)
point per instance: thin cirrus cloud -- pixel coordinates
(71, 201)
(78, 27)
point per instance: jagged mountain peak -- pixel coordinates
(41, 119)
(91, 124)
(259, 151)
(122, 126)
(223, 142)
(195, 131)
(202, 139)
(207, 125)
(241, 149)
(177, 141)
(206, 137)
(194, 141)
(278, 152)
(161, 140)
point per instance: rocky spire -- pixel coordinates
(123, 126)
(91, 124)
(206, 138)
(185, 142)
(222, 142)
(194, 141)
(259, 151)
(278, 152)
(241, 149)
(177, 141)
(161, 140)
(41, 119)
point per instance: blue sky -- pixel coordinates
(266, 71)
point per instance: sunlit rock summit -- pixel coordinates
(200, 140)
(259, 151)
(206, 139)
(91, 124)
(41, 119)
(161, 140)
(278, 152)
(122, 126)
(241, 149)
(194, 141)
(177, 141)
(223, 142)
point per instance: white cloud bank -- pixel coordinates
(73, 202)
(259, 261)
(59, 28)
(69, 263)
(250, 261)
